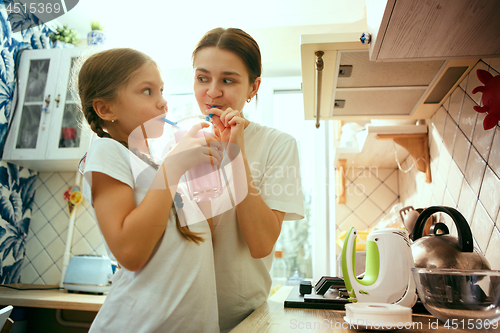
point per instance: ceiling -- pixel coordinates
(168, 30)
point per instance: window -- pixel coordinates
(305, 242)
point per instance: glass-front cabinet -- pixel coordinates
(46, 132)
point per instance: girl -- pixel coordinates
(166, 280)
(227, 65)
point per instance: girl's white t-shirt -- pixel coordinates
(175, 290)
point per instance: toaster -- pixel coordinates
(88, 274)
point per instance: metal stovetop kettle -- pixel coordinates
(442, 250)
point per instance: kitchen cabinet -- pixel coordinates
(351, 87)
(433, 29)
(46, 134)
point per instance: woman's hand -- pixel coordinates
(230, 125)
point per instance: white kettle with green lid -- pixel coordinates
(388, 277)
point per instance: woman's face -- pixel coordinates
(221, 80)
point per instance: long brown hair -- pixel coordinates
(100, 77)
(238, 42)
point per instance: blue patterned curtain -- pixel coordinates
(17, 184)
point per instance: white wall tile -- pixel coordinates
(482, 147)
(435, 143)
(56, 249)
(468, 117)
(42, 195)
(94, 238)
(353, 221)
(42, 262)
(50, 209)
(384, 197)
(493, 251)
(355, 195)
(82, 247)
(461, 150)
(49, 225)
(474, 170)
(52, 276)
(463, 83)
(369, 212)
(383, 174)
(85, 223)
(392, 181)
(446, 104)
(46, 235)
(341, 213)
(450, 131)
(481, 227)
(445, 160)
(454, 182)
(60, 222)
(369, 184)
(55, 183)
(482, 139)
(494, 158)
(69, 177)
(495, 65)
(29, 274)
(456, 100)
(38, 221)
(438, 187)
(467, 201)
(448, 200)
(489, 194)
(33, 248)
(439, 120)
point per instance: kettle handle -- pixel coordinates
(464, 233)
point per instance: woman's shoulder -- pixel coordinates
(262, 132)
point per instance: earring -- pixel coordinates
(112, 120)
(248, 100)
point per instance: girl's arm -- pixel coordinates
(131, 231)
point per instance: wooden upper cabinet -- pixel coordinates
(433, 29)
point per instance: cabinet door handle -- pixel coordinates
(319, 70)
(58, 100)
(47, 102)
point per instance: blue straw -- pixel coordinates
(169, 122)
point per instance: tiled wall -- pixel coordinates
(49, 229)
(370, 194)
(465, 165)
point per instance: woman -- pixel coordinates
(227, 65)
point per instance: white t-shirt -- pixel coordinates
(243, 283)
(175, 290)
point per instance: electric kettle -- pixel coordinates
(442, 250)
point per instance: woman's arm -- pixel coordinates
(259, 224)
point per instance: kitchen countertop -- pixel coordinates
(49, 298)
(273, 317)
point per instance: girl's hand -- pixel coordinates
(194, 148)
(231, 128)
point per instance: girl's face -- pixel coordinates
(140, 102)
(221, 80)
